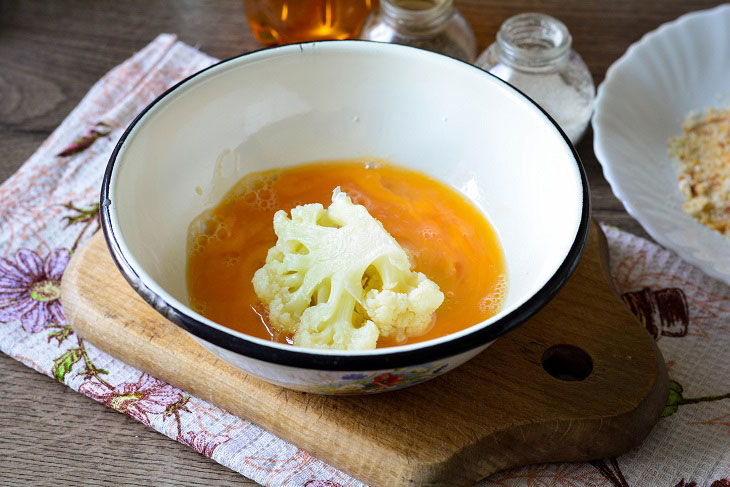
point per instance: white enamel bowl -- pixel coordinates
(345, 99)
(682, 67)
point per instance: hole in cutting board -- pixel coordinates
(567, 362)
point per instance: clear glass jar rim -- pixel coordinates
(552, 33)
(438, 10)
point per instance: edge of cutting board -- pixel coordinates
(499, 410)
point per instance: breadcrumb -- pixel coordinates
(703, 153)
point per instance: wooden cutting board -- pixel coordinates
(519, 402)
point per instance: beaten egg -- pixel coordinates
(447, 238)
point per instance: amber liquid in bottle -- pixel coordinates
(286, 21)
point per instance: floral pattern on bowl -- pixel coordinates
(354, 383)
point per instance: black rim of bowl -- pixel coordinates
(294, 357)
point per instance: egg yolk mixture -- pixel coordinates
(447, 237)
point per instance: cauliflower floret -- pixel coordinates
(406, 311)
(337, 279)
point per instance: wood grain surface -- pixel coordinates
(51, 52)
(499, 410)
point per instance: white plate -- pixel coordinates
(681, 67)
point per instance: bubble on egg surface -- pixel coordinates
(257, 192)
(232, 260)
(205, 228)
(261, 197)
(428, 232)
(222, 232)
(493, 302)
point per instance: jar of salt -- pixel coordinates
(532, 52)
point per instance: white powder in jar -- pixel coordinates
(567, 97)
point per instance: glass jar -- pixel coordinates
(285, 21)
(533, 53)
(429, 24)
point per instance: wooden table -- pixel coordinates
(50, 55)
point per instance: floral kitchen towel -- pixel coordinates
(50, 207)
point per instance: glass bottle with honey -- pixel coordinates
(286, 21)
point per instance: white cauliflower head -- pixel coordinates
(336, 279)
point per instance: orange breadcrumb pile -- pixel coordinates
(703, 152)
